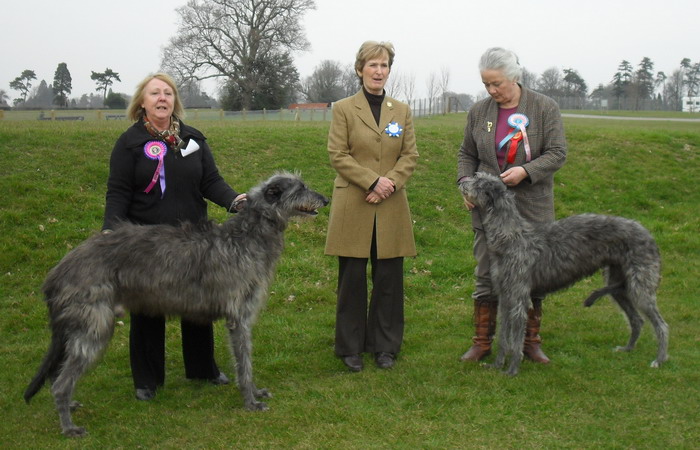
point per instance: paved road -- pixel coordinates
(666, 119)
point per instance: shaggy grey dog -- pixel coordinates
(202, 272)
(529, 261)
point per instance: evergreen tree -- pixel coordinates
(62, 85)
(23, 84)
(104, 80)
(644, 79)
(272, 85)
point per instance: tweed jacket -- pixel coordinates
(534, 195)
(361, 151)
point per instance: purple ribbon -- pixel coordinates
(156, 150)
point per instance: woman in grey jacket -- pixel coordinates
(516, 134)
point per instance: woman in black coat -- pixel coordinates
(161, 171)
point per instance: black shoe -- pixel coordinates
(145, 394)
(385, 360)
(353, 362)
(220, 380)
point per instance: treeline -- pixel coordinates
(251, 50)
(630, 87)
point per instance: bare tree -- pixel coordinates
(432, 86)
(550, 82)
(325, 85)
(444, 82)
(529, 79)
(444, 85)
(394, 84)
(351, 82)
(409, 87)
(673, 90)
(233, 39)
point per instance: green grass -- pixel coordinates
(52, 180)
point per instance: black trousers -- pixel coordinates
(147, 351)
(380, 330)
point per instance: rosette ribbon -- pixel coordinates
(156, 150)
(519, 122)
(393, 129)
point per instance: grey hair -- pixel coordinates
(497, 58)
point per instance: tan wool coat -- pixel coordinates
(361, 151)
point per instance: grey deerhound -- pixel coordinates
(531, 261)
(202, 272)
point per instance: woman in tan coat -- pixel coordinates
(372, 147)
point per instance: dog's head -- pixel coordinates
(287, 194)
(483, 189)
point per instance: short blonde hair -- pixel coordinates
(372, 50)
(135, 112)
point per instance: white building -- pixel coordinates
(691, 104)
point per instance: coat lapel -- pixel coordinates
(364, 112)
(387, 114)
(490, 128)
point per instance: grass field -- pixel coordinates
(52, 180)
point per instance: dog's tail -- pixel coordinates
(49, 366)
(611, 290)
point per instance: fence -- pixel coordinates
(613, 103)
(420, 108)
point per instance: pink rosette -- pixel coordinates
(156, 150)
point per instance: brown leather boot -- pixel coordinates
(531, 348)
(485, 326)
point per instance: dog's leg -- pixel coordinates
(647, 303)
(88, 330)
(240, 341)
(75, 364)
(634, 320)
(616, 276)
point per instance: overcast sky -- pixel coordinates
(590, 36)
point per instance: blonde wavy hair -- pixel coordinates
(135, 112)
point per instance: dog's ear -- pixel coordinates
(276, 188)
(273, 192)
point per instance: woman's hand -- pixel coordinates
(513, 176)
(468, 204)
(384, 188)
(373, 197)
(239, 202)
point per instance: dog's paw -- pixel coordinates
(511, 372)
(74, 405)
(74, 431)
(655, 364)
(262, 393)
(621, 348)
(257, 406)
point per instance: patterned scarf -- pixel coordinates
(171, 136)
